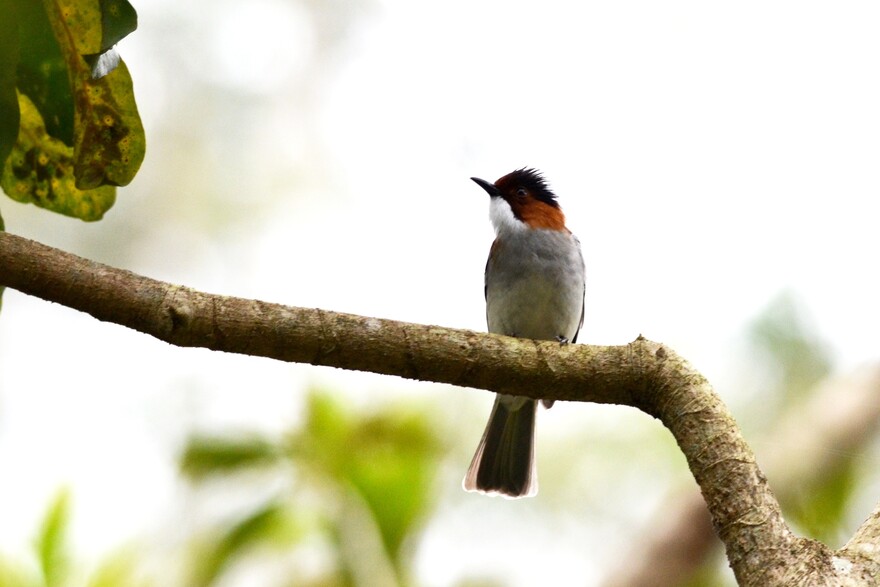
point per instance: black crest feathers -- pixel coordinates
(532, 180)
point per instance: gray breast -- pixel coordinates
(535, 285)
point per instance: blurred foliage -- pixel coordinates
(785, 342)
(794, 359)
(70, 132)
(819, 510)
(123, 569)
(373, 475)
(54, 564)
(388, 458)
(360, 484)
(708, 575)
(798, 359)
(272, 523)
(51, 543)
(205, 457)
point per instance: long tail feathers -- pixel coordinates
(505, 459)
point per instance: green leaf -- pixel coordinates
(42, 71)
(51, 544)
(819, 509)
(118, 19)
(9, 54)
(40, 171)
(393, 467)
(269, 524)
(389, 458)
(2, 288)
(92, 26)
(204, 457)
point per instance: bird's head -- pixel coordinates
(521, 200)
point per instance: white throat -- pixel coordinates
(502, 217)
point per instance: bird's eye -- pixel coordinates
(521, 192)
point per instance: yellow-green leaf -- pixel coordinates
(80, 19)
(108, 137)
(109, 142)
(40, 170)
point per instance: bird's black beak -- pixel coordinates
(490, 188)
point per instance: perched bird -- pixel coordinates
(534, 288)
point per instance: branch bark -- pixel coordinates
(643, 374)
(810, 443)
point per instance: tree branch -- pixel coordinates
(808, 444)
(863, 545)
(642, 374)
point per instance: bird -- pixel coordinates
(534, 288)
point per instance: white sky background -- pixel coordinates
(708, 155)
